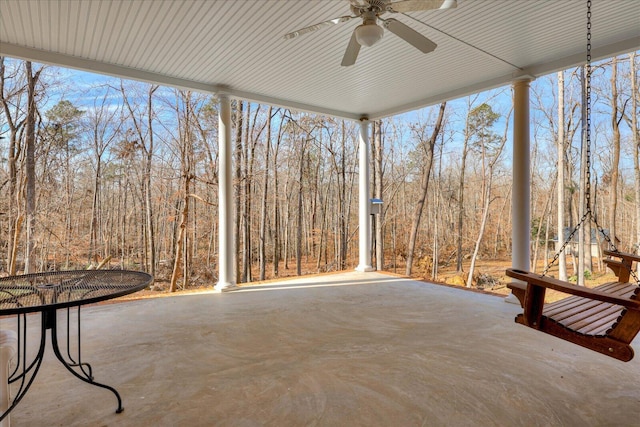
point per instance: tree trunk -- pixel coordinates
(300, 212)
(545, 214)
(276, 203)
(424, 187)
(562, 261)
(175, 274)
(93, 234)
(436, 229)
(615, 140)
(378, 194)
(463, 162)
(483, 223)
(186, 165)
(30, 195)
(238, 188)
(487, 181)
(636, 144)
(342, 202)
(583, 182)
(14, 125)
(147, 144)
(265, 190)
(151, 242)
(246, 207)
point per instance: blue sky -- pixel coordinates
(80, 88)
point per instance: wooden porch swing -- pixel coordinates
(605, 318)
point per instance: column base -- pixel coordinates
(224, 286)
(365, 268)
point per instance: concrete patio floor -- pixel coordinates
(350, 349)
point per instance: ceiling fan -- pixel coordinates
(369, 32)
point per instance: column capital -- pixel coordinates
(522, 82)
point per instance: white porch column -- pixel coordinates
(225, 197)
(364, 218)
(520, 205)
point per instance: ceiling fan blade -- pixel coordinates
(314, 27)
(351, 54)
(417, 5)
(410, 35)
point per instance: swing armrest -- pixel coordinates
(624, 255)
(568, 288)
(518, 290)
(621, 264)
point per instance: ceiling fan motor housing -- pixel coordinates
(376, 6)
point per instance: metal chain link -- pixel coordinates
(588, 114)
(588, 213)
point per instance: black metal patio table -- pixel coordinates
(47, 293)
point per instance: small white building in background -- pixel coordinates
(598, 242)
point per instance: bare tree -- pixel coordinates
(13, 87)
(104, 123)
(185, 142)
(30, 166)
(560, 142)
(64, 126)
(238, 187)
(378, 190)
(277, 199)
(636, 142)
(482, 120)
(463, 167)
(146, 140)
(265, 191)
(427, 147)
(616, 118)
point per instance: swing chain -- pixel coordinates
(587, 123)
(601, 230)
(588, 212)
(565, 244)
(587, 126)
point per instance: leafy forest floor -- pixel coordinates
(489, 277)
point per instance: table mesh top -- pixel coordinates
(37, 292)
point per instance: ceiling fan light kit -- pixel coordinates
(369, 32)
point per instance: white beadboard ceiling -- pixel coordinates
(237, 47)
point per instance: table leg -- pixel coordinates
(79, 363)
(21, 371)
(51, 323)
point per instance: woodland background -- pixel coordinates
(97, 170)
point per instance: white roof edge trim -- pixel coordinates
(597, 54)
(307, 108)
(533, 72)
(451, 95)
(82, 64)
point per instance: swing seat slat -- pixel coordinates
(604, 319)
(588, 313)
